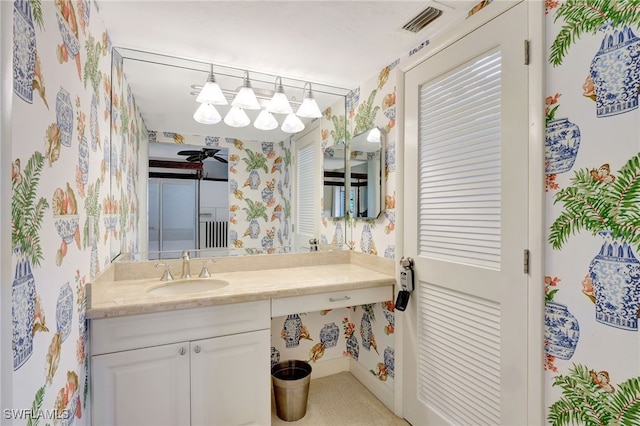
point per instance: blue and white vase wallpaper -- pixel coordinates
(24, 50)
(52, 109)
(615, 71)
(592, 211)
(64, 311)
(615, 274)
(562, 144)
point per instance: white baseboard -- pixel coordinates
(381, 391)
(329, 367)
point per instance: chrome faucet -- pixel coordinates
(166, 276)
(186, 270)
(204, 273)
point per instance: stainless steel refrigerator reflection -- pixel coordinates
(172, 214)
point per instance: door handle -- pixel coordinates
(196, 349)
(182, 350)
(406, 283)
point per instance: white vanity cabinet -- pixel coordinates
(200, 366)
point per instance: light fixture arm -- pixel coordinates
(305, 87)
(277, 85)
(246, 82)
(211, 78)
(309, 107)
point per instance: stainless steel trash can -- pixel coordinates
(291, 388)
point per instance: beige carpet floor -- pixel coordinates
(341, 400)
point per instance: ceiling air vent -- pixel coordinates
(422, 19)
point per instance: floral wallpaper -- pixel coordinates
(364, 333)
(62, 200)
(122, 159)
(259, 190)
(592, 168)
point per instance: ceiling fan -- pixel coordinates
(199, 156)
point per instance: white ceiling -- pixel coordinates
(336, 43)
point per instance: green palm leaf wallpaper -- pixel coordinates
(592, 212)
(61, 170)
(592, 198)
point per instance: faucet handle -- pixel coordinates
(205, 272)
(166, 276)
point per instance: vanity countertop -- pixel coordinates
(267, 278)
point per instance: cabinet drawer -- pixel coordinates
(336, 299)
(140, 331)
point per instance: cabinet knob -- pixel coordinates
(196, 349)
(182, 350)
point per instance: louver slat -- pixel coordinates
(460, 164)
(306, 201)
(459, 355)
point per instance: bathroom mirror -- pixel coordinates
(162, 89)
(333, 193)
(366, 174)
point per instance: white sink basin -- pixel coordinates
(189, 286)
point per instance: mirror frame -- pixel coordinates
(119, 57)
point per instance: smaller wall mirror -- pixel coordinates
(333, 196)
(366, 157)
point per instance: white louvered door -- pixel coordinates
(307, 192)
(464, 341)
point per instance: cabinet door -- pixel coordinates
(231, 379)
(139, 387)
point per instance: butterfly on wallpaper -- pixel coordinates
(15, 171)
(603, 174)
(601, 379)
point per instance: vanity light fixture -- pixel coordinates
(207, 114)
(269, 102)
(246, 98)
(279, 103)
(265, 121)
(236, 117)
(211, 92)
(292, 124)
(309, 107)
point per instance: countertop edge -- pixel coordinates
(213, 300)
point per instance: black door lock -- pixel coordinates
(402, 300)
(406, 283)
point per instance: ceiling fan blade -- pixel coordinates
(194, 158)
(189, 152)
(220, 159)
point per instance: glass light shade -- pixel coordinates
(309, 108)
(279, 104)
(236, 117)
(374, 135)
(246, 99)
(292, 124)
(265, 121)
(207, 114)
(211, 94)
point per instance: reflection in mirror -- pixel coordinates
(333, 166)
(367, 186)
(259, 199)
(188, 203)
